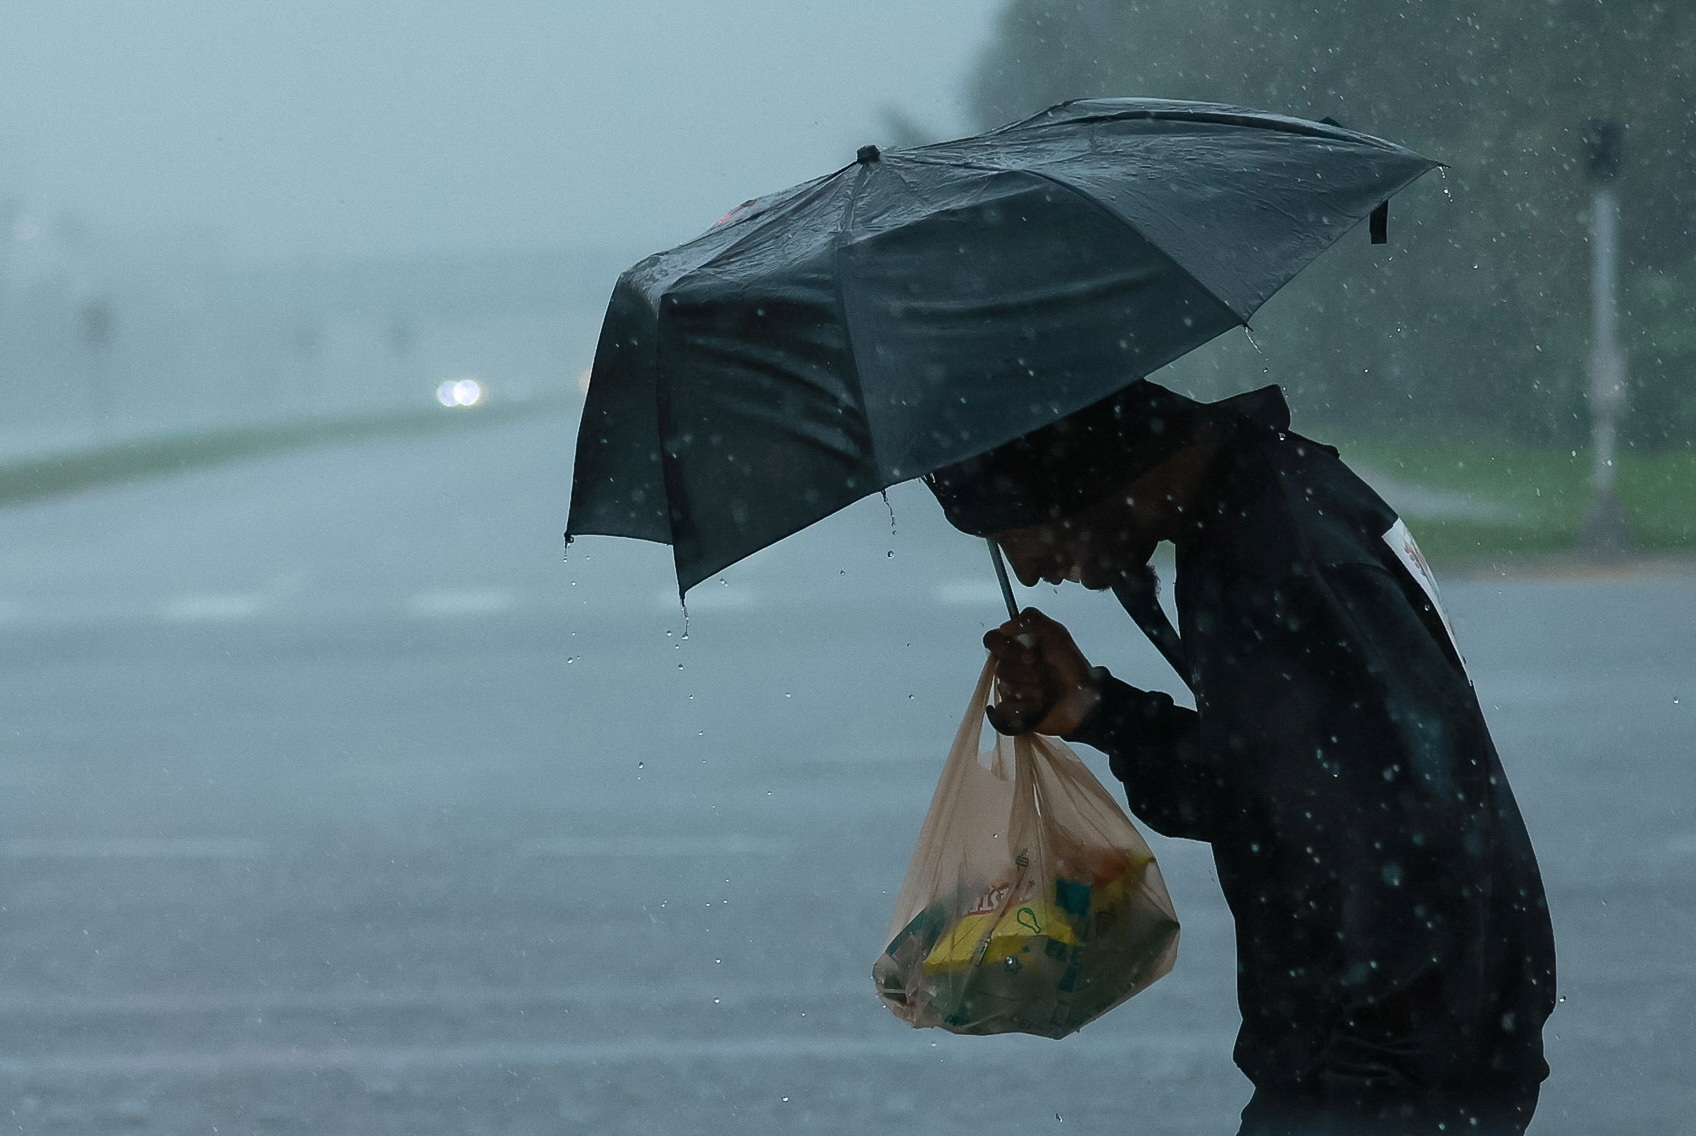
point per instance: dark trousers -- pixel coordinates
(1498, 1111)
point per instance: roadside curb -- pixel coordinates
(1575, 566)
(59, 474)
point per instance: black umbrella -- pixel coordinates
(921, 306)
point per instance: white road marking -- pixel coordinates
(214, 607)
(968, 593)
(30, 778)
(460, 602)
(142, 848)
(653, 847)
(1682, 845)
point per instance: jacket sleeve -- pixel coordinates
(1150, 743)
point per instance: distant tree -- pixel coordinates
(1486, 317)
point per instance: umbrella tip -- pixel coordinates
(868, 154)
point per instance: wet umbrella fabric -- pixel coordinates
(922, 306)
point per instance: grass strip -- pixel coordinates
(53, 475)
(1547, 492)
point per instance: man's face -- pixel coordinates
(1113, 538)
(1096, 548)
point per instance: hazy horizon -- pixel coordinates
(314, 130)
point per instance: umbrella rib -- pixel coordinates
(959, 163)
(1240, 317)
(847, 324)
(758, 223)
(1212, 114)
(911, 189)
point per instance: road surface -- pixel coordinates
(335, 802)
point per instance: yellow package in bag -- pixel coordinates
(1032, 904)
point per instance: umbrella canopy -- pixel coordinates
(922, 306)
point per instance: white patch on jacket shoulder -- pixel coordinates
(1401, 542)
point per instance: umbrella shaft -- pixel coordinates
(1001, 575)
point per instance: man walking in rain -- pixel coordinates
(1394, 955)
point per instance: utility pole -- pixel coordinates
(1606, 528)
(99, 329)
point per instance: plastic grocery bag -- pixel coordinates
(1032, 904)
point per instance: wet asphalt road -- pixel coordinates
(333, 802)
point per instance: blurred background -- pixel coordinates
(221, 216)
(336, 801)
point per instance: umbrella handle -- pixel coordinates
(1001, 575)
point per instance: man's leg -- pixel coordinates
(1498, 1111)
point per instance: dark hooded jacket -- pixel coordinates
(1394, 951)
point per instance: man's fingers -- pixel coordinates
(1008, 650)
(1021, 689)
(1009, 724)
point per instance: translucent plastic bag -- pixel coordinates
(1032, 904)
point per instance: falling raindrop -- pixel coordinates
(1265, 366)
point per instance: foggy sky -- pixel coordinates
(326, 129)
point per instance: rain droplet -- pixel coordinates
(890, 554)
(1265, 365)
(641, 765)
